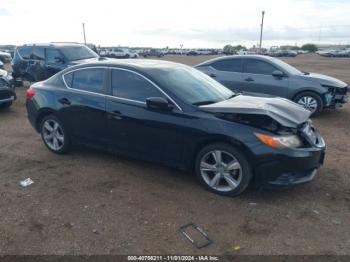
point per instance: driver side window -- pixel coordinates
(259, 67)
(128, 85)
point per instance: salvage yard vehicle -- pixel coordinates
(5, 57)
(121, 52)
(7, 89)
(37, 62)
(175, 115)
(256, 75)
(284, 53)
(153, 52)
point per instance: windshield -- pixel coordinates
(288, 68)
(193, 86)
(77, 53)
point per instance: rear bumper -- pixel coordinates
(290, 168)
(32, 113)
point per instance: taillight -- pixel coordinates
(30, 93)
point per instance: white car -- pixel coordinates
(121, 52)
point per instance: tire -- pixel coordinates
(5, 105)
(59, 133)
(310, 98)
(239, 174)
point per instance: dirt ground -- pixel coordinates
(91, 202)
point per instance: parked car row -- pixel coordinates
(118, 52)
(335, 53)
(283, 53)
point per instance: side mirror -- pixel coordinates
(158, 103)
(278, 74)
(59, 60)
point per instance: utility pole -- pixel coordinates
(84, 33)
(261, 29)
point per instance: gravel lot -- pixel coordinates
(91, 202)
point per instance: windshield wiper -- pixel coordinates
(207, 102)
(306, 73)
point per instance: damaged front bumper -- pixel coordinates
(336, 97)
(290, 167)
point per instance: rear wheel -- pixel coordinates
(54, 134)
(223, 169)
(310, 101)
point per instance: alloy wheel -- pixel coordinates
(309, 103)
(221, 170)
(53, 134)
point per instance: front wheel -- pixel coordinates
(54, 135)
(310, 101)
(223, 169)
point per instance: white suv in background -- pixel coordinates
(122, 52)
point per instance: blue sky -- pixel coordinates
(160, 23)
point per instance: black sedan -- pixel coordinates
(175, 115)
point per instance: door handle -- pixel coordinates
(115, 114)
(249, 79)
(64, 101)
(212, 75)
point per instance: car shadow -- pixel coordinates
(177, 179)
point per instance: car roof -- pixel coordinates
(221, 58)
(140, 64)
(54, 44)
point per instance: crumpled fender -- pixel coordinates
(285, 112)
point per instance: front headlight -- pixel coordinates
(286, 141)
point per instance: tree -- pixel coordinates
(240, 47)
(309, 47)
(228, 50)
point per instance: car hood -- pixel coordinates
(324, 80)
(285, 112)
(82, 61)
(5, 54)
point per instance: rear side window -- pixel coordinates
(53, 56)
(131, 86)
(25, 52)
(90, 80)
(254, 66)
(230, 65)
(38, 53)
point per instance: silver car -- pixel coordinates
(262, 75)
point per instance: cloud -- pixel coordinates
(4, 12)
(162, 23)
(228, 35)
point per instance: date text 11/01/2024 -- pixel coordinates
(173, 258)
